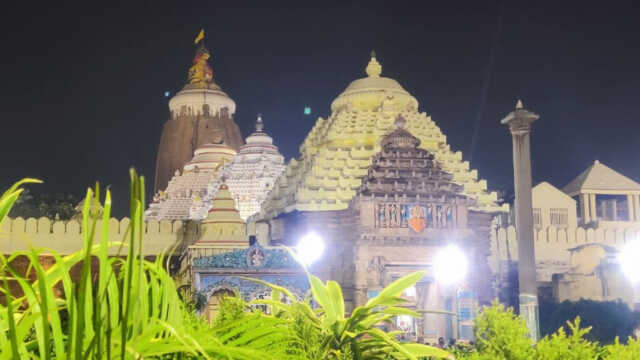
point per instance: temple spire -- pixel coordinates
(519, 105)
(259, 124)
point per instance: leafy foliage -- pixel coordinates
(123, 308)
(607, 319)
(328, 333)
(618, 351)
(52, 206)
(560, 346)
(500, 334)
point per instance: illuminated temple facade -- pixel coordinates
(378, 182)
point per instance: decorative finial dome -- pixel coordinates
(519, 105)
(400, 122)
(374, 69)
(400, 138)
(259, 124)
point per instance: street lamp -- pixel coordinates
(629, 260)
(450, 266)
(309, 249)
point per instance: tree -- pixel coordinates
(52, 206)
(608, 319)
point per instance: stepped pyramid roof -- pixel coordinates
(338, 151)
(600, 177)
(403, 169)
(223, 225)
(189, 193)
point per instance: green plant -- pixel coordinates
(328, 333)
(618, 351)
(607, 319)
(121, 308)
(560, 346)
(501, 335)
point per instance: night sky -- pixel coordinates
(82, 94)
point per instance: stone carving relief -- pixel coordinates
(415, 216)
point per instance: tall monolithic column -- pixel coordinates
(519, 122)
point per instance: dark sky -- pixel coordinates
(82, 84)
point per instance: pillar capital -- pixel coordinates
(519, 120)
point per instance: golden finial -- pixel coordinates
(374, 69)
(200, 73)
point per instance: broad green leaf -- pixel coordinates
(396, 288)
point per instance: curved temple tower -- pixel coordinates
(201, 113)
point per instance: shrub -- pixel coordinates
(560, 346)
(500, 334)
(608, 319)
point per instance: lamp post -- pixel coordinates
(519, 122)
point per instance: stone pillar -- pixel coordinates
(636, 206)
(584, 202)
(630, 205)
(592, 204)
(519, 122)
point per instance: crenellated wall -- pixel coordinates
(552, 245)
(65, 237)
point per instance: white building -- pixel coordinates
(254, 171)
(190, 193)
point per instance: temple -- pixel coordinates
(201, 113)
(254, 171)
(378, 184)
(190, 192)
(337, 152)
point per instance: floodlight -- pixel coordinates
(309, 249)
(450, 265)
(629, 258)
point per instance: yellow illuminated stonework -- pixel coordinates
(337, 152)
(223, 226)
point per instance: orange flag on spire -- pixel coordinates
(199, 37)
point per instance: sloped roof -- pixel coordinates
(557, 192)
(600, 177)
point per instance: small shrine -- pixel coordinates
(221, 259)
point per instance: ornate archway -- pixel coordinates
(213, 305)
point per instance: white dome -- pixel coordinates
(210, 156)
(192, 99)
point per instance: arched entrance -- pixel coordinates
(213, 306)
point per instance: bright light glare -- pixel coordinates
(629, 258)
(309, 249)
(450, 265)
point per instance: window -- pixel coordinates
(559, 217)
(536, 218)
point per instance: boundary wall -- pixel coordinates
(65, 237)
